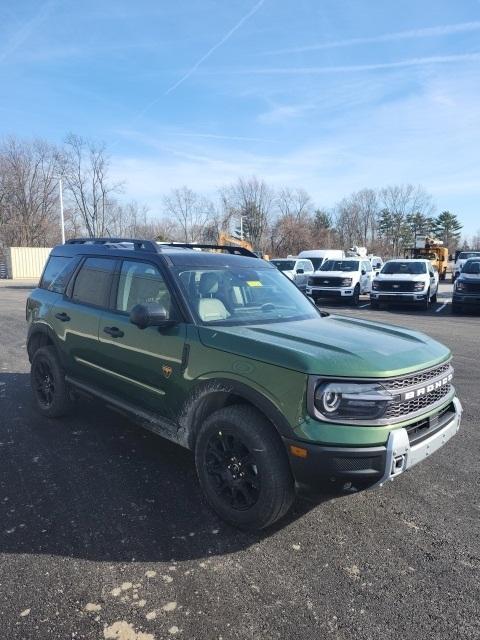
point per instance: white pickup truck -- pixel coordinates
(343, 279)
(405, 281)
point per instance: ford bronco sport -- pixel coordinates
(222, 354)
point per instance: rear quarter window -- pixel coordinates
(54, 266)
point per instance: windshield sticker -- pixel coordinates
(254, 283)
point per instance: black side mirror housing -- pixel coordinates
(363, 272)
(149, 315)
(300, 271)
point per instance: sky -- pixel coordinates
(328, 95)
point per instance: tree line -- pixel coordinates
(277, 221)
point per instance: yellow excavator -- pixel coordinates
(225, 239)
(433, 250)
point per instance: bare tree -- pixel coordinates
(28, 193)
(85, 166)
(190, 211)
(252, 199)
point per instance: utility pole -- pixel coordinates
(62, 219)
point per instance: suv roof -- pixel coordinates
(176, 253)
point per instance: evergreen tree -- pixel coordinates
(448, 228)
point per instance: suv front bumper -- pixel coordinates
(371, 466)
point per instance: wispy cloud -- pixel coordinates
(427, 32)
(411, 62)
(283, 113)
(216, 46)
(25, 31)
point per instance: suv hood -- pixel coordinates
(336, 274)
(332, 346)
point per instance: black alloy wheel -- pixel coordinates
(232, 469)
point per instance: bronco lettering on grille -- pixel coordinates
(421, 391)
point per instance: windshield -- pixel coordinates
(284, 265)
(411, 268)
(237, 296)
(469, 254)
(340, 265)
(472, 266)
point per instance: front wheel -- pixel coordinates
(356, 296)
(434, 298)
(243, 468)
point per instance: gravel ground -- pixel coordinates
(105, 534)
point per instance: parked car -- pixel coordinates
(460, 259)
(466, 290)
(341, 279)
(319, 256)
(376, 262)
(411, 280)
(222, 354)
(297, 269)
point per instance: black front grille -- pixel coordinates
(394, 285)
(426, 427)
(403, 409)
(318, 281)
(471, 287)
(418, 378)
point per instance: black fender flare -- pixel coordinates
(191, 414)
(43, 329)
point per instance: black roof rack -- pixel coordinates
(232, 249)
(156, 247)
(138, 245)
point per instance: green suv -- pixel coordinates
(219, 352)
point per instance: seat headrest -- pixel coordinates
(209, 282)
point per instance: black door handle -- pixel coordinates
(64, 317)
(115, 332)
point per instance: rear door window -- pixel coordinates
(94, 281)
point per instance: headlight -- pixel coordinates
(351, 400)
(459, 285)
(419, 286)
(346, 282)
(375, 286)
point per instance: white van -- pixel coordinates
(318, 256)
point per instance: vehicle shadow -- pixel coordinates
(95, 486)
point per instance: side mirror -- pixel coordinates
(300, 271)
(363, 272)
(149, 315)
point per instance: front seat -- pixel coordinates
(210, 307)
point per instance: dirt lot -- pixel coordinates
(105, 534)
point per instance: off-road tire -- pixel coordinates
(266, 466)
(56, 402)
(425, 304)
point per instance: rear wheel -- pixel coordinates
(243, 468)
(47, 379)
